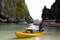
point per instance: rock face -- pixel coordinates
(53, 13)
(14, 11)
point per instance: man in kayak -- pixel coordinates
(35, 28)
(41, 26)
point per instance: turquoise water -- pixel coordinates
(12, 27)
(7, 32)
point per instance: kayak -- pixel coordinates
(27, 35)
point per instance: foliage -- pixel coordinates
(21, 9)
(8, 10)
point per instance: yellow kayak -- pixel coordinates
(27, 35)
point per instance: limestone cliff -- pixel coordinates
(53, 13)
(14, 11)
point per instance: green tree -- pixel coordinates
(8, 10)
(20, 7)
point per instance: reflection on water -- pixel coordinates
(7, 32)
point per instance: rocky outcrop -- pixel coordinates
(53, 13)
(14, 11)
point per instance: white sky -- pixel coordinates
(35, 7)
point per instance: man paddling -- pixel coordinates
(41, 26)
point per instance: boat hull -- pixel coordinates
(27, 35)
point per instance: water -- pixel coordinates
(7, 32)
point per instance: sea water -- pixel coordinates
(7, 32)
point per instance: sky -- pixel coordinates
(35, 7)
